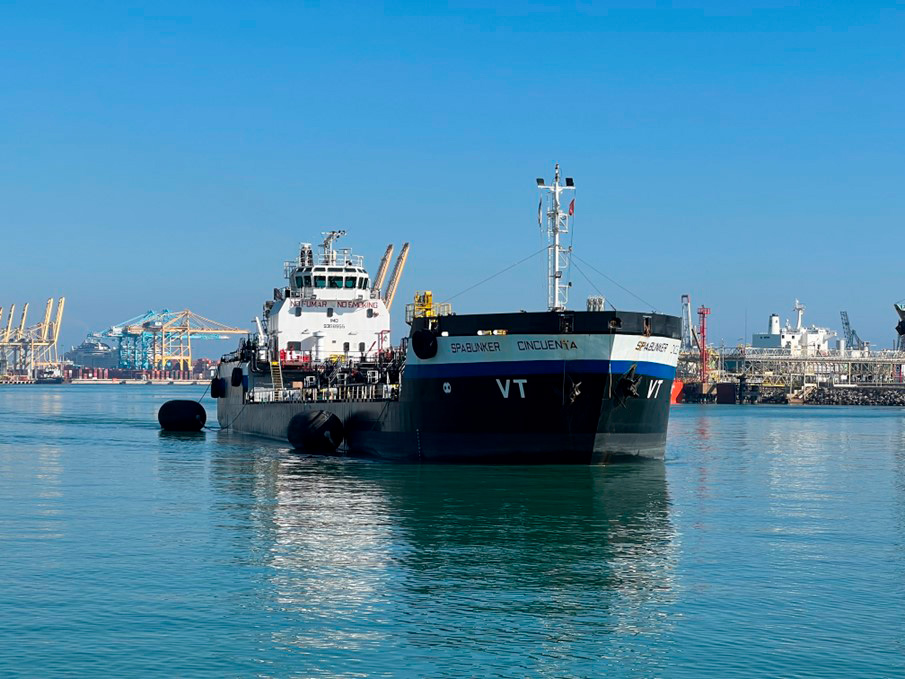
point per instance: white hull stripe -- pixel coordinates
(552, 348)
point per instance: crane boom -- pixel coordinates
(397, 274)
(9, 323)
(384, 265)
(852, 340)
(45, 326)
(21, 333)
(846, 328)
(59, 319)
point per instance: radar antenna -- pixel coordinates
(799, 314)
(329, 237)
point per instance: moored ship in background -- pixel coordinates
(554, 386)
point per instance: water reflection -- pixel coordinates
(531, 568)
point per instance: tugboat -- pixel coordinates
(553, 386)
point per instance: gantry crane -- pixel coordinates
(162, 340)
(28, 350)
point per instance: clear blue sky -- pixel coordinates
(173, 155)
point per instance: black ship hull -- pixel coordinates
(596, 430)
(530, 396)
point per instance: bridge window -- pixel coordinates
(334, 281)
(307, 281)
(320, 282)
(298, 281)
(350, 282)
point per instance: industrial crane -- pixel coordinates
(852, 341)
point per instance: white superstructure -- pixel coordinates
(798, 339)
(331, 308)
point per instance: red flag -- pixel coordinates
(572, 207)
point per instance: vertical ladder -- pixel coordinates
(276, 375)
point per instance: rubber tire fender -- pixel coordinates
(235, 378)
(218, 387)
(182, 416)
(315, 431)
(424, 344)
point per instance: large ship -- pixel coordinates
(553, 386)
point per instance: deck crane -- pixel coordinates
(394, 278)
(382, 269)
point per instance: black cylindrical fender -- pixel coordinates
(218, 387)
(424, 344)
(182, 416)
(315, 431)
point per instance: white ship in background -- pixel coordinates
(798, 339)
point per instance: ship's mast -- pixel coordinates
(557, 255)
(329, 252)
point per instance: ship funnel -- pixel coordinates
(382, 269)
(394, 278)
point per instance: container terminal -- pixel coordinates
(154, 347)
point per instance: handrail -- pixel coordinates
(343, 392)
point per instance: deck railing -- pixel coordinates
(342, 392)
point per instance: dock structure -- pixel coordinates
(788, 362)
(746, 373)
(779, 368)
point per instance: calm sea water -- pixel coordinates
(770, 544)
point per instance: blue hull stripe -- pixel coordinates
(508, 368)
